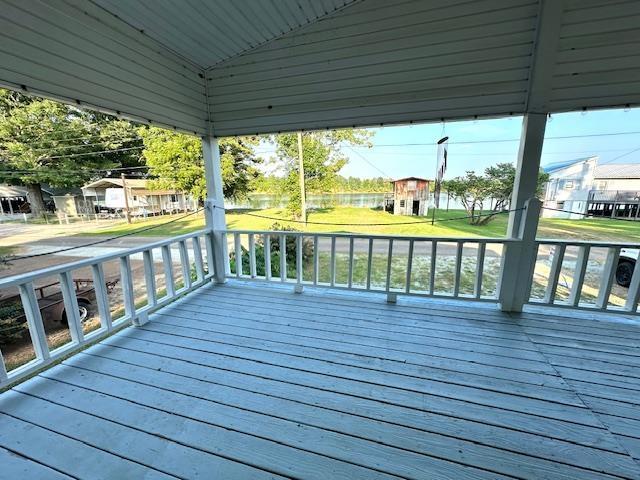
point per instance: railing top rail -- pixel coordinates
(23, 278)
(590, 243)
(375, 236)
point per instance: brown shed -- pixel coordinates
(410, 196)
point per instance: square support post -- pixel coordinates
(519, 257)
(214, 209)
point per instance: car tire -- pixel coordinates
(624, 272)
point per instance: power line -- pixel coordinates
(363, 158)
(92, 153)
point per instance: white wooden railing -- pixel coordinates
(584, 281)
(570, 274)
(196, 268)
(377, 254)
(580, 274)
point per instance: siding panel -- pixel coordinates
(597, 64)
(86, 55)
(377, 63)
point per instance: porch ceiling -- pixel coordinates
(228, 67)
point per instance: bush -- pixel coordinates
(12, 323)
(291, 252)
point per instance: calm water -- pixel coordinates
(265, 200)
(364, 200)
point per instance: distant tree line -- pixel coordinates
(275, 184)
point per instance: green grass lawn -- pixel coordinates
(448, 224)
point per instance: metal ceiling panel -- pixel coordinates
(382, 62)
(210, 31)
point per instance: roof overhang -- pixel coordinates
(314, 64)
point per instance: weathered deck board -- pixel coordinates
(603, 368)
(242, 381)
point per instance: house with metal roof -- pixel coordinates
(582, 187)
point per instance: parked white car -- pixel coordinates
(626, 265)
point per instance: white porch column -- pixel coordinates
(520, 257)
(214, 208)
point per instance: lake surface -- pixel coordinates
(324, 200)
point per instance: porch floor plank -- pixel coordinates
(254, 381)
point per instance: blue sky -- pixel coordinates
(394, 155)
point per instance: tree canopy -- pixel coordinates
(175, 161)
(46, 142)
(323, 159)
(494, 187)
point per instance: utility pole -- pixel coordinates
(303, 200)
(126, 198)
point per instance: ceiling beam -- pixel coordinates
(545, 52)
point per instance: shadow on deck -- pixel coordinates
(244, 381)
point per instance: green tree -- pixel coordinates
(46, 142)
(175, 159)
(323, 159)
(495, 187)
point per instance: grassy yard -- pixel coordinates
(448, 224)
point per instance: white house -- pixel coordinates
(568, 188)
(109, 192)
(581, 186)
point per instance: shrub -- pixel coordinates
(12, 323)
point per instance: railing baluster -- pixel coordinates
(350, 273)
(477, 285)
(578, 275)
(608, 275)
(149, 277)
(197, 258)
(71, 309)
(432, 272)
(238, 251)
(332, 264)
(34, 321)
(184, 262)
(407, 281)
(369, 263)
(554, 274)
(211, 262)
(633, 293)
(316, 259)
(299, 259)
(267, 257)
(168, 271)
(3, 371)
(252, 256)
(102, 296)
(389, 260)
(283, 258)
(127, 286)
(458, 269)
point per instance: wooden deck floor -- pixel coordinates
(241, 382)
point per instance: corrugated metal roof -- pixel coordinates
(117, 182)
(410, 178)
(618, 170)
(552, 167)
(8, 191)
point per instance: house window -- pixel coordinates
(568, 185)
(411, 185)
(135, 198)
(402, 203)
(174, 198)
